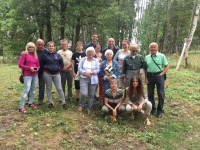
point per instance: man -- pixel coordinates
(41, 51)
(156, 67)
(66, 72)
(111, 45)
(133, 65)
(93, 42)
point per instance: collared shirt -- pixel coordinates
(111, 99)
(133, 64)
(114, 52)
(90, 44)
(66, 56)
(160, 60)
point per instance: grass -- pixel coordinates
(56, 128)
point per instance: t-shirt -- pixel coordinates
(77, 57)
(66, 56)
(111, 99)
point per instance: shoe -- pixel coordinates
(32, 106)
(77, 100)
(40, 102)
(70, 99)
(65, 106)
(119, 117)
(159, 115)
(152, 112)
(23, 110)
(51, 105)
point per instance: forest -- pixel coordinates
(142, 21)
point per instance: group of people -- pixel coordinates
(111, 69)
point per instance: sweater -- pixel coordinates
(26, 61)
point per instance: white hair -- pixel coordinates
(109, 51)
(90, 49)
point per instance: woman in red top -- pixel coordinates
(29, 64)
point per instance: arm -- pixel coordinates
(102, 73)
(61, 64)
(22, 64)
(117, 69)
(73, 63)
(80, 66)
(142, 65)
(164, 71)
(96, 69)
(116, 56)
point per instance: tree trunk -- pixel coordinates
(190, 36)
(77, 30)
(48, 25)
(62, 18)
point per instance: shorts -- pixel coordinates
(77, 84)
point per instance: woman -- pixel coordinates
(137, 99)
(52, 63)
(113, 100)
(119, 57)
(109, 69)
(98, 56)
(29, 64)
(88, 69)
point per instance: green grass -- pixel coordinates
(56, 128)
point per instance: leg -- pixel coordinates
(84, 91)
(104, 109)
(57, 83)
(129, 109)
(27, 86)
(63, 75)
(41, 86)
(101, 89)
(32, 89)
(150, 88)
(161, 93)
(121, 109)
(48, 81)
(147, 109)
(69, 84)
(91, 88)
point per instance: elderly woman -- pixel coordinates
(88, 69)
(109, 69)
(137, 99)
(133, 65)
(119, 57)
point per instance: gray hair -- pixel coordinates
(90, 49)
(109, 51)
(134, 46)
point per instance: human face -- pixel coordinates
(153, 47)
(94, 38)
(79, 47)
(113, 85)
(64, 45)
(90, 54)
(31, 49)
(40, 45)
(51, 48)
(111, 42)
(125, 45)
(134, 50)
(98, 48)
(109, 56)
(135, 82)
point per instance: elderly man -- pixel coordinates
(111, 45)
(93, 42)
(156, 67)
(133, 65)
(66, 72)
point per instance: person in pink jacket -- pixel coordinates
(29, 64)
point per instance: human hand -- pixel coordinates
(134, 107)
(161, 74)
(141, 71)
(33, 70)
(139, 108)
(23, 52)
(114, 112)
(87, 74)
(146, 81)
(124, 79)
(74, 74)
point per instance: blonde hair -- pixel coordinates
(31, 44)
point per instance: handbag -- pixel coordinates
(21, 77)
(165, 75)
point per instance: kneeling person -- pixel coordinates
(113, 100)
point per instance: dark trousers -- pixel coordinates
(158, 81)
(67, 76)
(41, 84)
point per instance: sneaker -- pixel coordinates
(65, 106)
(51, 105)
(40, 102)
(70, 99)
(119, 117)
(32, 106)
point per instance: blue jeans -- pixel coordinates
(41, 84)
(29, 87)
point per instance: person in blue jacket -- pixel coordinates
(52, 63)
(109, 69)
